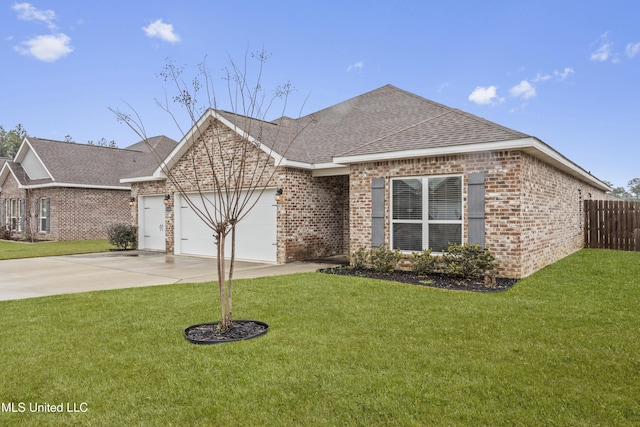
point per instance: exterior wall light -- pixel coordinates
(132, 201)
(279, 196)
(167, 199)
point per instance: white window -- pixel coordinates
(44, 215)
(13, 218)
(426, 212)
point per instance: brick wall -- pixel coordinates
(311, 218)
(552, 213)
(75, 213)
(532, 214)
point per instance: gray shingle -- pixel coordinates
(387, 119)
(92, 165)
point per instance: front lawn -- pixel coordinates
(13, 250)
(559, 348)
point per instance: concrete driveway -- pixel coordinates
(35, 277)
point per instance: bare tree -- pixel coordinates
(237, 168)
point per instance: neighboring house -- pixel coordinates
(384, 168)
(55, 190)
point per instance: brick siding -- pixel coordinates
(74, 213)
(532, 210)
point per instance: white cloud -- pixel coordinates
(523, 89)
(633, 49)
(28, 12)
(357, 66)
(604, 51)
(542, 78)
(48, 48)
(564, 74)
(485, 95)
(162, 31)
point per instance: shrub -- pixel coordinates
(122, 236)
(384, 260)
(360, 258)
(467, 261)
(422, 263)
(5, 233)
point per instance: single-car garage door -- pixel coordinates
(255, 234)
(151, 215)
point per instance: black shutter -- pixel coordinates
(2, 218)
(377, 212)
(475, 208)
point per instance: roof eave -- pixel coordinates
(530, 145)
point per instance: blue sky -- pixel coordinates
(565, 72)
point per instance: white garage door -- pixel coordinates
(151, 217)
(255, 234)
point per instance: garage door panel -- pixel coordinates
(255, 234)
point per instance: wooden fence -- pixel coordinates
(610, 224)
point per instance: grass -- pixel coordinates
(13, 250)
(560, 348)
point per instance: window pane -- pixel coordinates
(407, 237)
(445, 198)
(441, 235)
(407, 199)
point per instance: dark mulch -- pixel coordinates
(435, 281)
(209, 333)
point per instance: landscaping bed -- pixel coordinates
(441, 281)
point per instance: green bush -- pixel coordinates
(122, 236)
(467, 261)
(384, 260)
(360, 258)
(422, 263)
(5, 233)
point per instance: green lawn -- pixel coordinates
(560, 348)
(13, 250)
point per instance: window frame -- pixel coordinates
(13, 214)
(44, 205)
(425, 221)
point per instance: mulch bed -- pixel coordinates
(208, 333)
(435, 281)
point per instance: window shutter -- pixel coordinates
(475, 208)
(377, 212)
(36, 209)
(21, 212)
(48, 211)
(2, 212)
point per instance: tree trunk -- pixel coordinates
(224, 324)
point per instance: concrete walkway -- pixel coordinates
(35, 277)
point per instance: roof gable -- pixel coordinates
(78, 165)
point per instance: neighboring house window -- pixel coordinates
(13, 215)
(426, 212)
(44, 215)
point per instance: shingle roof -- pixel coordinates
(90, 165)
(387, 119)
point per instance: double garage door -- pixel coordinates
(255, 234)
